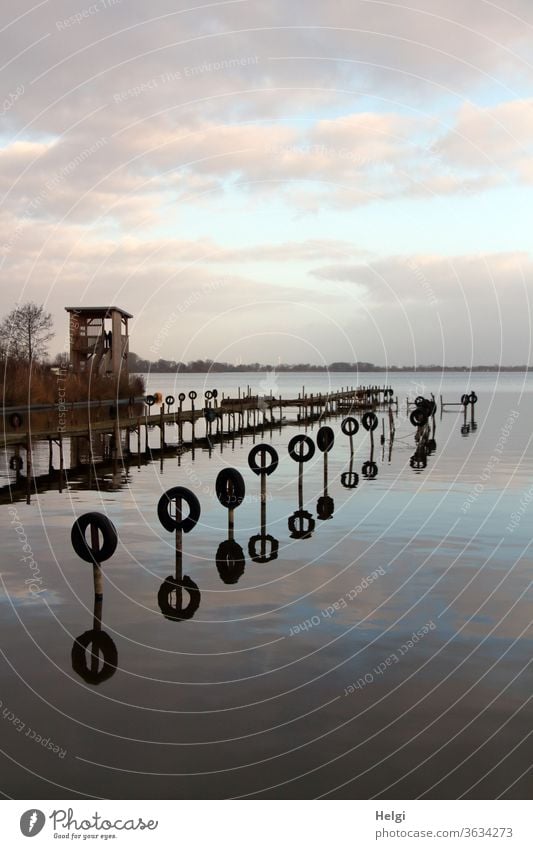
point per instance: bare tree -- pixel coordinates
(26, 332)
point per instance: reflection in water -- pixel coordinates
(170, 598)
(350, 479)
(350, 427)
(230, 490)
(301, 523)
(418, 461)
(268, 545)
(98, 663)
(230, 561)
(370, 468)
(325, 505)
(424, 419)
(170, 514)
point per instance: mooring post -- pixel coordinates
(263, 494)
(162, 427)
(98, 578)
(28, 468)
(61, 462)
(179, 553)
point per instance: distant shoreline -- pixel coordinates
(284, 369)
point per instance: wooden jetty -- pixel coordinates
(118, 424)
(228, 415)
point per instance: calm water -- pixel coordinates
(303, 678)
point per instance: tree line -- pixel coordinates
(143, 366)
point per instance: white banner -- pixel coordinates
(262, 824)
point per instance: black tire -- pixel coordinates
(181, 397)
(431, 446)
(299, 442)
(465, 400)
(370, 469)
(163, 509)
(193, 395)
(209, 414)
(325, 507)
(16, 463)
(169, 609)
(101, 642)
(473, 398)
(418, 417)
(16, 420)
(263, 558)
(420, 401)
(214, 393)
(325, 439)
(349, 480)
(230, 488)
(150, 400)
(82, 547)
(254, 465)
(296, 528)
(230, 561)
(169, 400)
(370, 421)
(426, 405)
(465, 430)
(208, 395)
(350, 426)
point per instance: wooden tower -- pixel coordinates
(99, 340)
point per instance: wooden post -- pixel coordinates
(97, 569)
(179, 554)
(28, 468)
(162, 427)
(61, 462)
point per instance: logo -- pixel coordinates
(32, 822)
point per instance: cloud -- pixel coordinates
(133, 138)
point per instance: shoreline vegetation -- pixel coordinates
(28, 376)
(46, 383)
(141, 366)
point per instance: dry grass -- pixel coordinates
(40, 385)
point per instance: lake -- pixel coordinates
(385, 653)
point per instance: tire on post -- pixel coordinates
(301, 448)
(79, 542)
(230, 488)
(169, 522)
(253, 459)
(370, 421)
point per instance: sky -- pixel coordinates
(254, 181)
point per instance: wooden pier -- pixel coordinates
(227, 416)
(92, 432)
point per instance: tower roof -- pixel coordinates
(98, 312)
